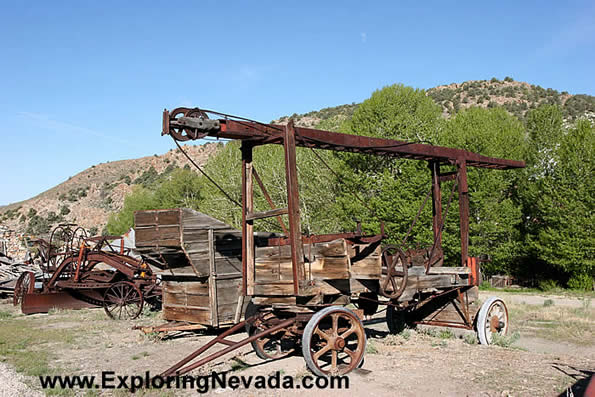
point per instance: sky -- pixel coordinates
(85, 82)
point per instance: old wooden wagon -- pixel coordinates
(298, 285)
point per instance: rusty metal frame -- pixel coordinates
(186, 123)
(183, 366)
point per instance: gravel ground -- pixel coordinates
(13, 385)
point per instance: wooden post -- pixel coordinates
(247, 225)
(213, 280)
(463, 210)
(293, 206)
(436, 205)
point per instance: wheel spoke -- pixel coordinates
(350, 353)
(349, 331)
(322, 334)
(333, 361)
(322, 351)
(394, 284)
(335, 318)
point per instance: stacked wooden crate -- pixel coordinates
(199, 260)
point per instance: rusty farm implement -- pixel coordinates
(80, 271)
(294, 288)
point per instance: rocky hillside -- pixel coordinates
(516, 97)
(90, 196)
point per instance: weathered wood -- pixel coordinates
(266, 214)
(450, 270)
(213, 283)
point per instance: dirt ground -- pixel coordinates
(546, 360)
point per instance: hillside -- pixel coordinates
(88, 197)
(516, 97)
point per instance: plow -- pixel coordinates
(296, 290)
(80, 271)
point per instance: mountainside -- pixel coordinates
(89, 197)
(516, 97)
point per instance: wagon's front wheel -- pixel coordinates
(492, 319)
(334, 342)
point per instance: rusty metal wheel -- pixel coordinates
(123, 301)
(272, 346)
(492, 319)
(395, 273)
(25, 284)
(184, 134)
(334, 342)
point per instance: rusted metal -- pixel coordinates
(267, 197)
(72, 281)
(274, 134)
(432, 295)
(181, 367)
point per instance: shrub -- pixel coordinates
(548, 285)
(582, 282)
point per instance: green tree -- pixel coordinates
(176, 188)
(495, 214)
(182, 188)
(393, 189)
(562, 201)
(139, 199)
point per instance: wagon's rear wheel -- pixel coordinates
(123, 301)
(24, 284)
(334, 342)
(272, 346)
(492, 319)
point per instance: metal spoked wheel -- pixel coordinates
(123, 301)
(395, 273)
(24, 284)
(272, 346)
(334, 342)
(492, 319)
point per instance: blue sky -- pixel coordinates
(85, 82)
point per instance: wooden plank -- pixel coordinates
(183, 287)
(192, 218)
(228, 265)
(276, 289)
(212, 282)
(266, 214)
(367, 268)
(158, 235)
(450, 270)
(197, 316)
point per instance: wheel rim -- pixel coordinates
(22, 286)
(272, 346)
(123, 301)
(496, 320)
(395, 281)
(336, 344)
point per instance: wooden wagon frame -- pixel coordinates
(304, 309)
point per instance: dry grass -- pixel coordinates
(574, 325)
